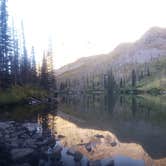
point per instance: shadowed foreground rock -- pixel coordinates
(22, 144)
(25, 144)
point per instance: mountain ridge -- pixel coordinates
(149, 47)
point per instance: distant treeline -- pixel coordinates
(17, 66)
(107, 81)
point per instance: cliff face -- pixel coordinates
(150, 47)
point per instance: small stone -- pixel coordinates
(11, 122)
(110, 163)
(7, 136)
(42, 162)
(71, 151)
(78, 156)
(55, 153)
(95, 163)
(25, 164)
(49, 151)
(21, 153)
(4, 125)
(88, 147)
(113, 143)
(61, 136)
(37, 137)
(99, 136)
(57, 149)
(14, 144)
(77, 163)
(47, 141)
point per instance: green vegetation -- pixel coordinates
(143, 78)
(17, 94)
(151, 81)
(155, 82)
(21, 112)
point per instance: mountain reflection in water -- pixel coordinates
(132, 119)
(129, 129)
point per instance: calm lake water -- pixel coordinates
(124, 127)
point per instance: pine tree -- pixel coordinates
(121, 83)
(48, 80)
(148, 71)
(5, 56)
(111, 82)
(87, 82)
(44, 73)
(50, 66)
(25, 65)
(133, 77)
(33, 67)
(105, 81)
(15, 58)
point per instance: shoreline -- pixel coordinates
(27, 145)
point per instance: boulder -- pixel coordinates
(47, 141)
(4, 125)
(20, 153)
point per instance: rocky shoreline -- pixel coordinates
(23, 144)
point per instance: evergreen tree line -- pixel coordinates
(90, 83)
(106, 81)
(17, 67)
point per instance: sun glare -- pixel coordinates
(86, 27)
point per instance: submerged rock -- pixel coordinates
(114, 143)
(111, 163)
(88, 147)
(71, 151)
(20, 146)
(108, 162)
(61, 136)
(94, 163)
(99, 136)
(57, 149)
(77, 156)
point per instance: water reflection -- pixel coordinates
(116, 126)
(131, 118)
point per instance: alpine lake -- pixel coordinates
(94, 129)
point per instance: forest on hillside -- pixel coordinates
(18, 65)
(137, 67)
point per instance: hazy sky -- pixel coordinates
(86, 27)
